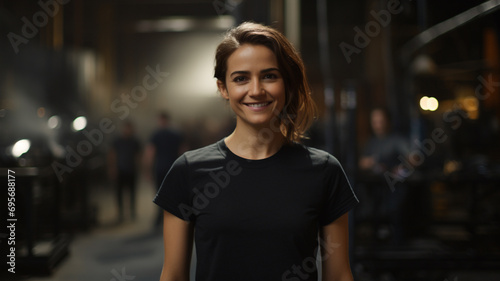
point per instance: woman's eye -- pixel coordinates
(270, 76)
(239, 79)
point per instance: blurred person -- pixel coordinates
(256, 201)
(382, 153)
(164, 147)
(123, 157)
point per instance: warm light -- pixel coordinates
(429, 103)
(79, 123)
(423, 102)
(471, 103)
(54, 122)
(432, 104)
(21, 147)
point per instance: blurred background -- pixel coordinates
(408, 94)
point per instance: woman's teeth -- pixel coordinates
(258, 104)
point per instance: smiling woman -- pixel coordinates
(254, 87)
(256, 201)
(299, 110)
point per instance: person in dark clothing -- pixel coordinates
(256, 201)
(124, 156)
(383, 153)
(164, 147)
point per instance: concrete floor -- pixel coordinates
(132, 250)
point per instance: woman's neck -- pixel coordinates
(254, 143)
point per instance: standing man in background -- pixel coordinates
(381, 154)
(123, 158)
(163, 149)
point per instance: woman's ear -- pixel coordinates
(222, 89)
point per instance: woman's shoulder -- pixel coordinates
(311, 155)
(206, 154)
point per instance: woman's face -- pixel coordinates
(254, 85)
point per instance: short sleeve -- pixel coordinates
(339, 197)
(174, 193)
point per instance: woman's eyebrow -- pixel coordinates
(269, 70)
(247, 72)
(239, 72)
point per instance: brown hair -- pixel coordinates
(299, 110)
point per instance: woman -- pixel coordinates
(257, 200)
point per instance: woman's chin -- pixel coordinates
(259, 122)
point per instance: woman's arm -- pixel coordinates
(335, 250)
(178, 245)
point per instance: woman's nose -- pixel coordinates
(256, 88)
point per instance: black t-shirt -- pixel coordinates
(256, 219)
